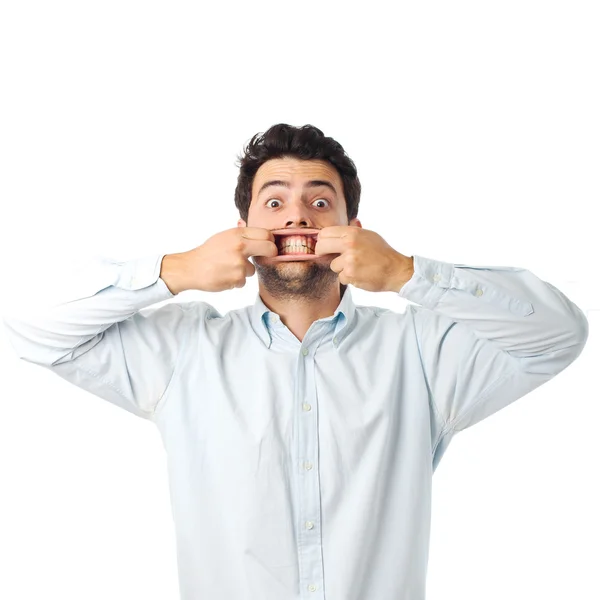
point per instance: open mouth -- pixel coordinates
(296, 245)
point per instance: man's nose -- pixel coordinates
(298, 216)
(298, 223)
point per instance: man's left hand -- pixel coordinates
(366, 260)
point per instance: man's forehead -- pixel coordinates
(295, 171)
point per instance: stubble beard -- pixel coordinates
(297, 279)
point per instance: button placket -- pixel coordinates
(310, 539)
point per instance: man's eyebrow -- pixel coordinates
(309, 184)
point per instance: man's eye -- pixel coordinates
(322, 200)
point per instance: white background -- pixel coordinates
(474, 127)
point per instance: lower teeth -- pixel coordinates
(299, 250)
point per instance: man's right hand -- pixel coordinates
(221, 263)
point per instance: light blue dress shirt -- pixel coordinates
(303, 470)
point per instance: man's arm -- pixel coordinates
(487, 336)
(104, 338)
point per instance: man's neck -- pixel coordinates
(299, 315)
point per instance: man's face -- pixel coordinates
(301, 205)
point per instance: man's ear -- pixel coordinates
(241, 223)
(355, 222)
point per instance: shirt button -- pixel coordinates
(309, 524)
(437, 277)
(304, 351)
(312, 587)
(479, 292)
(306, 406)
(335, 340)
(308, 465)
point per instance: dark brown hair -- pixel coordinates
(305, 143)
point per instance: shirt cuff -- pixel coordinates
(131, 275)
(142, 272)
(429, 282)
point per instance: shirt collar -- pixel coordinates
(262, 318)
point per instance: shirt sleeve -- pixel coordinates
(104, 339)
(488, 336)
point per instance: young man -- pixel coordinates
(302, 432)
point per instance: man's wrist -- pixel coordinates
(171, 272)
(405, 272)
